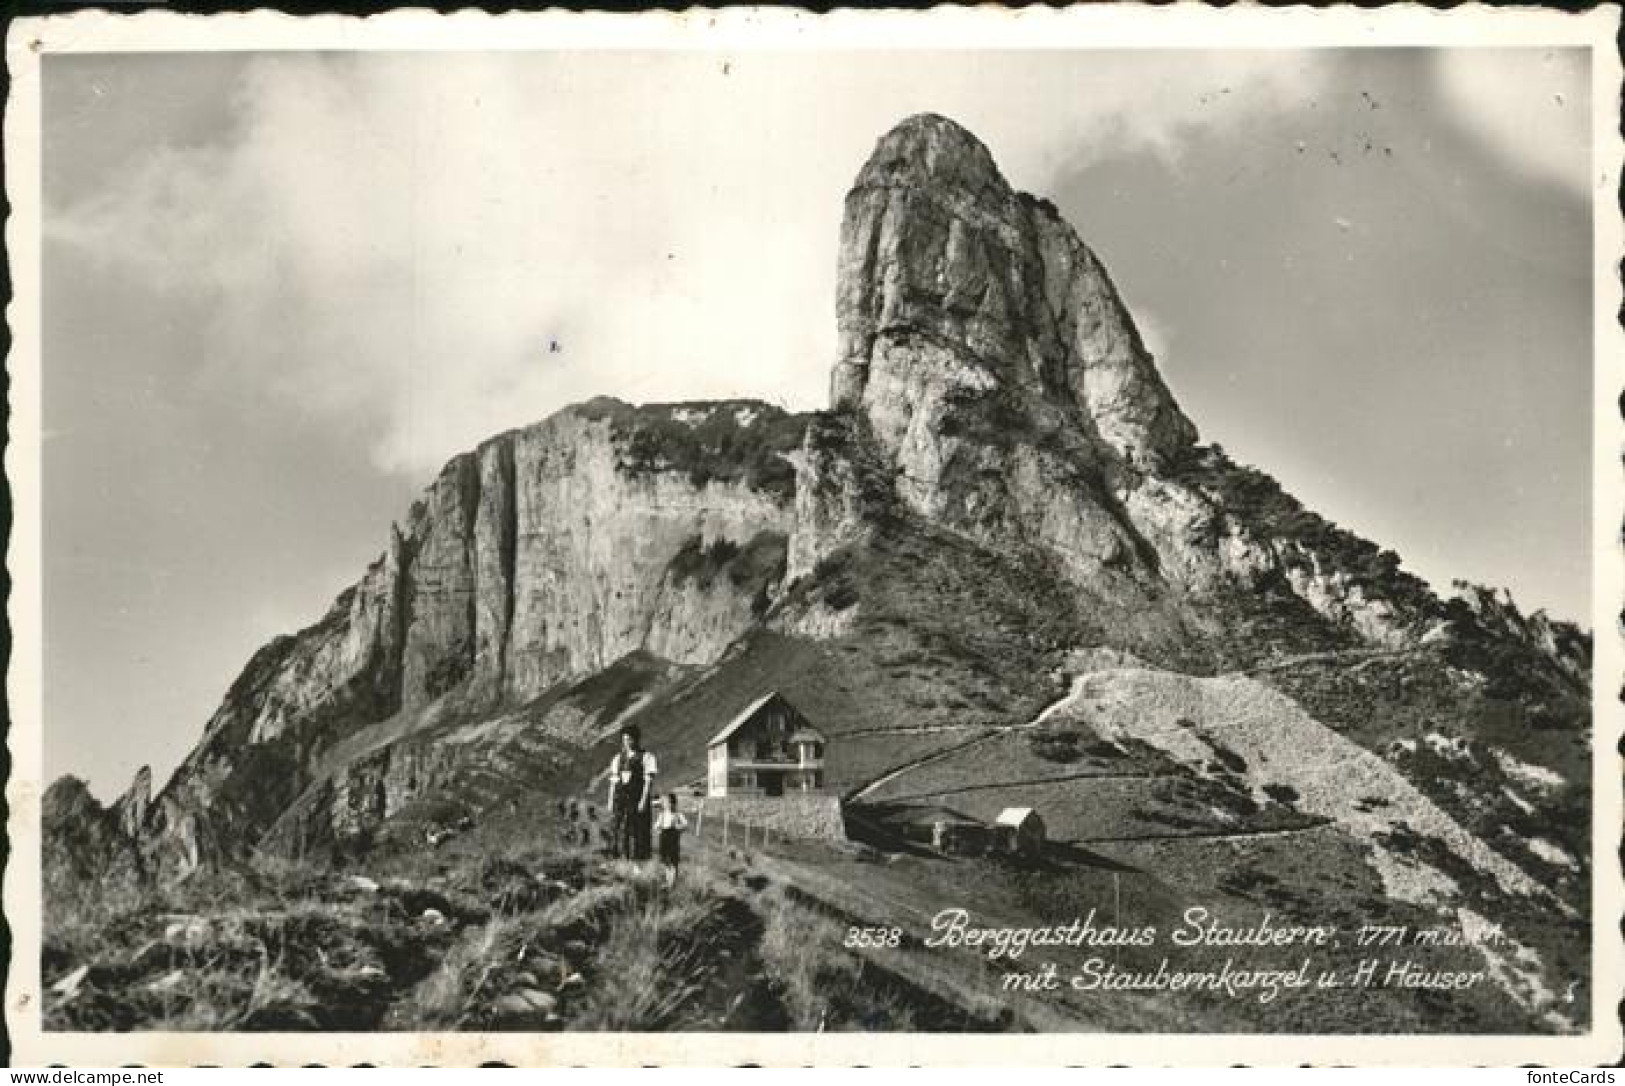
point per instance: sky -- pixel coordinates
(281, 289)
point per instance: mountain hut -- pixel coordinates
(769, 749)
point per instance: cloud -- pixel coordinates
(434, 247)
(1532, 107)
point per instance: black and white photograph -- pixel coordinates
(1083, 533)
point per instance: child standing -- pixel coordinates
(670, 826)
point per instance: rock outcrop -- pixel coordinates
(130, 810)
(85, 855)
(1494, 612)
(990, 355)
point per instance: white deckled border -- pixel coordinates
(1122, 26)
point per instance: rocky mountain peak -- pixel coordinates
(929, 150)
(964, 305)
(131, 808)
(990, 355)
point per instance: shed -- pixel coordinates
(944, 829)
(1019, 830)
(955, 838)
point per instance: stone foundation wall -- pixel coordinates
(800, 816)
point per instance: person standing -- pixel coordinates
(669, 827)
(631, 783)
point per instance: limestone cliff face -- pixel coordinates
(595, 536)
(372, 788)
(958, 290)
(545, 555)
(987, 349)
(833, 494)
(990, 354)
(1495, 612)
(1206, 548)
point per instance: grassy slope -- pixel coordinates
(1148, 883)
(1251, 761)
(471, 763)
(1469, 750)
(747, 942)
(497, 933)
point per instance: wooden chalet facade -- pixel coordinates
(769, 749)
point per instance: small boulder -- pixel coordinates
(524, 1005)
(68, 985)
(187, 930)
(152, 956)
(540, 962)
(168, 982)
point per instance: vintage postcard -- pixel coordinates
(945, 537)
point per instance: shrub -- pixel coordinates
(1283, 794)
(755, 568)
(1257, 501)
(1057, 746)
(719, 446)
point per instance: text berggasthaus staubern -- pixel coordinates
(1397, 955)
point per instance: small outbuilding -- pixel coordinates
(950, 832)
(1019, 831)
(954, 837)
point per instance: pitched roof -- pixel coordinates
(744, 715)
(1013, 816)
(925, 816)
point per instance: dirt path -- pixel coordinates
(1365, 656)
(1207, 835)
(924, 729)
(993, 731)
(1060, 777)
(859, 791)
